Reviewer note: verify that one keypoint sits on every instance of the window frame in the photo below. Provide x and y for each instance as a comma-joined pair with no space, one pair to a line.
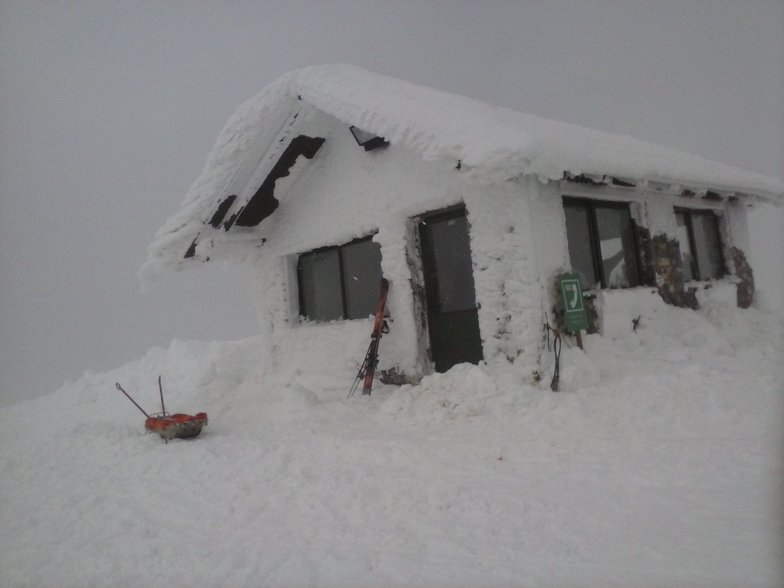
341,279
696,272
590,205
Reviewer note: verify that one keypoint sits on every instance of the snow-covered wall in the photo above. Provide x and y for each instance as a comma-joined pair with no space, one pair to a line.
502,243
347,193
518,243
548,227
653,209
736,225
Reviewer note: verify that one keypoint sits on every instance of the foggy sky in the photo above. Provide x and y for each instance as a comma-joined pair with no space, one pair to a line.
108,110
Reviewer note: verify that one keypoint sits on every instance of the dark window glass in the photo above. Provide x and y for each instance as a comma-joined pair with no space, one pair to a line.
319,283
616,242
452,259
687,257
361,277
707,246
579,237
700,245
340,282
602,244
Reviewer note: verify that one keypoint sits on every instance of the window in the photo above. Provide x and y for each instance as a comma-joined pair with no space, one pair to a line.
602,244
698,235
340,282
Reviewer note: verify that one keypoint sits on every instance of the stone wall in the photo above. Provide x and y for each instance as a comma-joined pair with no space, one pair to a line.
745,277
667,268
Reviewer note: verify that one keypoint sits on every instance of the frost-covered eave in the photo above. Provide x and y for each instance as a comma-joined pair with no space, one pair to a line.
501,143
643,168
493,143
243,140
600,183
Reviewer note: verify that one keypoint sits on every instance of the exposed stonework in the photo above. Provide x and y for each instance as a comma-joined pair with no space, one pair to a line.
395,377
745,276
668,267
593,315
647,269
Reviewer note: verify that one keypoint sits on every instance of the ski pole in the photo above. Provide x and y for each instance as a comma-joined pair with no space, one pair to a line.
556,369
163,408
120,388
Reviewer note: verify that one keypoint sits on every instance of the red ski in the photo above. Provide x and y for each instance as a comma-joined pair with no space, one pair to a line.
368,368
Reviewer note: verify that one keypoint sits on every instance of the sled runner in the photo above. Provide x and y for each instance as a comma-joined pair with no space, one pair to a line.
170,426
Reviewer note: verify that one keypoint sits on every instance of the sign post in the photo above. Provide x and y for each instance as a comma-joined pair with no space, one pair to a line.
575,317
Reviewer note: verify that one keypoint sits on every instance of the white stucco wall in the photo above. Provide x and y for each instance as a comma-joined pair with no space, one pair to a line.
736,225
347,193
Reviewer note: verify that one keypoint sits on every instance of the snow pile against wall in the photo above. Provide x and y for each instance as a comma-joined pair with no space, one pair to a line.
495,143
659,464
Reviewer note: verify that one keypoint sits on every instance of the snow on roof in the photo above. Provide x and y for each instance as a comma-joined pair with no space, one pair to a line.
495,142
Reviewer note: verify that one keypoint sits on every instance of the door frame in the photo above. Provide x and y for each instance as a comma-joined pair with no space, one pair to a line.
415,259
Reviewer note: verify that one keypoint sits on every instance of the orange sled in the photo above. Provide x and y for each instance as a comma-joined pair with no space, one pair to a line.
181,426
170,426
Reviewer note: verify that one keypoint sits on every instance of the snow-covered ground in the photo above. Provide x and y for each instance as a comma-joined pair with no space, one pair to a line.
659,464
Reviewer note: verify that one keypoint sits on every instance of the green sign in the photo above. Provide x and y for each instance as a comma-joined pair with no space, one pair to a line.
575,318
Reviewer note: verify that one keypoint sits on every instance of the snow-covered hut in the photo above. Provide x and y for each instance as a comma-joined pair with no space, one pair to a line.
334,176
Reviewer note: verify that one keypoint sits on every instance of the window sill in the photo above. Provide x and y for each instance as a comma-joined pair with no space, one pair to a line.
306,322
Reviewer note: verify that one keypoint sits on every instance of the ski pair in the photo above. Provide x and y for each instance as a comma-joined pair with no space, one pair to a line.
368,368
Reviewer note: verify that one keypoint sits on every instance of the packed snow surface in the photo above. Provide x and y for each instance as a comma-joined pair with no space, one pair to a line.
658,464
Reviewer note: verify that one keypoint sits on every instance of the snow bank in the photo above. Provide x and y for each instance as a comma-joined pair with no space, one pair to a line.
659,464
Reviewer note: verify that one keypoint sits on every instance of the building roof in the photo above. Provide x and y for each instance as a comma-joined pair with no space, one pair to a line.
493,142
